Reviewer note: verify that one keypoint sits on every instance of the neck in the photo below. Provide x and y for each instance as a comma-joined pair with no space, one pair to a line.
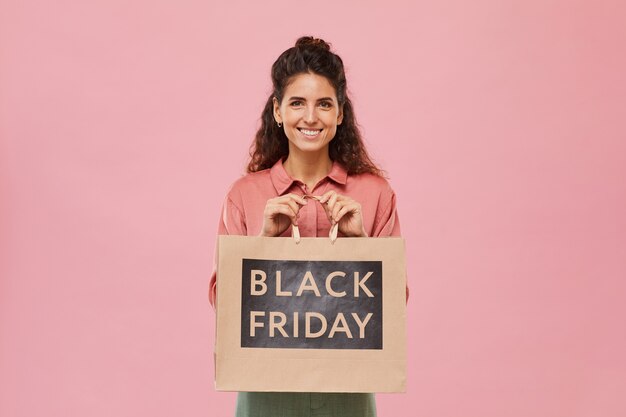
308,168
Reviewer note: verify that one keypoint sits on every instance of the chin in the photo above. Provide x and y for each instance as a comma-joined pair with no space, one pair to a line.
309,147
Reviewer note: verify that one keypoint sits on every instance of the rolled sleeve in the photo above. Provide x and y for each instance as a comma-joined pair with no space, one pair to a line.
231,223
387,221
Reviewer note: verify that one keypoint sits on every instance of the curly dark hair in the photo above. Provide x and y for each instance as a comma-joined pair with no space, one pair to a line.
310,55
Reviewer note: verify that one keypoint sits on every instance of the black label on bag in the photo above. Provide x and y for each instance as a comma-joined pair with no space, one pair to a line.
312,304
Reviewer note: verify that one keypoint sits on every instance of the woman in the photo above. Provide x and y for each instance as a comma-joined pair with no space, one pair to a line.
308,167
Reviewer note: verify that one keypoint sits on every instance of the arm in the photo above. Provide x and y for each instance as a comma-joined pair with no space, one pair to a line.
388,224
231,222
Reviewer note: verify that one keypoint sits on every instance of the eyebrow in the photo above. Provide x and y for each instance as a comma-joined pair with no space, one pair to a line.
304,99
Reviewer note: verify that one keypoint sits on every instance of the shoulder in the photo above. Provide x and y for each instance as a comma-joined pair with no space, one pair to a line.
249,185
374,184
372,191
251,180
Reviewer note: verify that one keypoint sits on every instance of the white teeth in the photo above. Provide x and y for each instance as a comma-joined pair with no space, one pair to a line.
310,132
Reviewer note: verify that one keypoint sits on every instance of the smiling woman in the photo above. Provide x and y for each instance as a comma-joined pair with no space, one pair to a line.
308,150
310,57
310,114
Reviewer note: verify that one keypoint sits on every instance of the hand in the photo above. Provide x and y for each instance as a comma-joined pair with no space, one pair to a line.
280,213
344,211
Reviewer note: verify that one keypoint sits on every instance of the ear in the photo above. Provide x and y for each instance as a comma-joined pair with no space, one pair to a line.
340,116
277,116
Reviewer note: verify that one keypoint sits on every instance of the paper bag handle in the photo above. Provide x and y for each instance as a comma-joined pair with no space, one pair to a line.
295,233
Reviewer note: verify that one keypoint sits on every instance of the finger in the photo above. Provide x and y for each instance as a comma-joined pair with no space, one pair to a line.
278,209
332,201
324,198
327,211
354,209
288,197
294,206
335,210
297,198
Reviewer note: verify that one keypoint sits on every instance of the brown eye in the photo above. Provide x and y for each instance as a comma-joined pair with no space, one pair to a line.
296,103
326,104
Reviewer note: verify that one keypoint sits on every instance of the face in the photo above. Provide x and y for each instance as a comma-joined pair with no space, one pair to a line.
309,113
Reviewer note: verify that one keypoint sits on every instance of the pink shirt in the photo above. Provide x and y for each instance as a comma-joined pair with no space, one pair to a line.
242,212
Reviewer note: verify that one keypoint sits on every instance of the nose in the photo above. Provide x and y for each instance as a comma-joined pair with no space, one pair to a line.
310,114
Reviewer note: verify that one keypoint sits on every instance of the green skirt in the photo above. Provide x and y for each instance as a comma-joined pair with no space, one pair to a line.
296,404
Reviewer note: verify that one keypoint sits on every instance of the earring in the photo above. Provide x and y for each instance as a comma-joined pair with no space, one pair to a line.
279,124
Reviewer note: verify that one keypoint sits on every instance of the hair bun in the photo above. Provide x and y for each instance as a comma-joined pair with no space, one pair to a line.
310,41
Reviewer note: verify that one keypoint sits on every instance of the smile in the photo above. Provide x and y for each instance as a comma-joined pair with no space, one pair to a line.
310,132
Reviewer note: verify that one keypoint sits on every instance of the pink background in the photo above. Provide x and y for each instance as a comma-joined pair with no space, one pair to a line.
500,123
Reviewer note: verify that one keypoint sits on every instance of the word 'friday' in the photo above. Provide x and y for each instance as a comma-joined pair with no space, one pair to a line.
277,321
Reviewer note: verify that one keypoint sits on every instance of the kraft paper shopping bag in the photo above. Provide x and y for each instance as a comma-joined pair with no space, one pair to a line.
311,314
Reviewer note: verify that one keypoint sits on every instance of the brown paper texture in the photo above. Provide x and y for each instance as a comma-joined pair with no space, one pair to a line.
310,370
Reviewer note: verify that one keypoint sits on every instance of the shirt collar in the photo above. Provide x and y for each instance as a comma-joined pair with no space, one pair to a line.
282,181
